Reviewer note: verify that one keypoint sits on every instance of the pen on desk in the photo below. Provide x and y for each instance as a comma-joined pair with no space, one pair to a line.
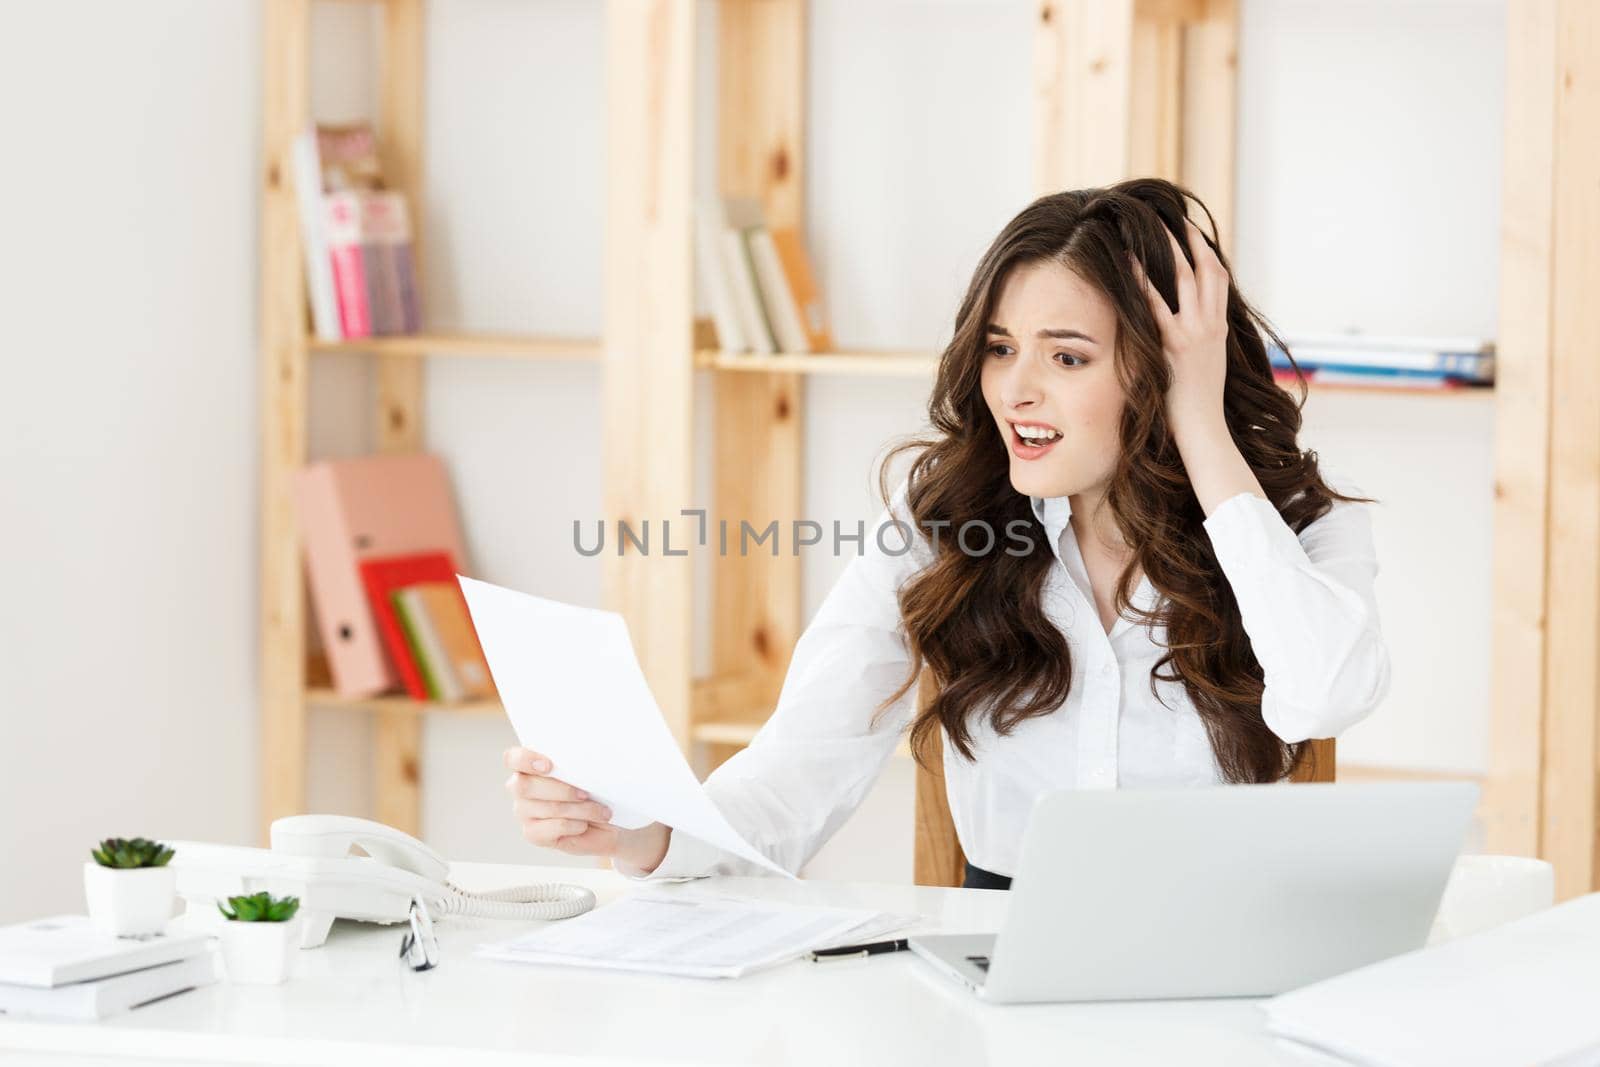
851,952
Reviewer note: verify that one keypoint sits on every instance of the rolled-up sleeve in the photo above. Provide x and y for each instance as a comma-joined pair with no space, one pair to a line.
1308,607
814,760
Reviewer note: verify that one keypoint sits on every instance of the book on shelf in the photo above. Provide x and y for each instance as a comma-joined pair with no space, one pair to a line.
440,636
716,279
360,268
357,509
351,260
783,311
1422,381
348,156
314,239
445,609
422,645
1391,361
801,288
740,214
386,231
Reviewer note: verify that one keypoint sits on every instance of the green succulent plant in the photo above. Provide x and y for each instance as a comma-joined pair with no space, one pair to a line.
122,854
260,908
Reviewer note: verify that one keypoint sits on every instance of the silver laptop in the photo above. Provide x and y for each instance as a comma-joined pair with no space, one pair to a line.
1241,890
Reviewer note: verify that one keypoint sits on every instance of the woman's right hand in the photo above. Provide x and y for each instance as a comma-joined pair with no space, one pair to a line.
554,814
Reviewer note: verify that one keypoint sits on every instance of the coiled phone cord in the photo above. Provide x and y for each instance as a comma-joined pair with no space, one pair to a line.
547,900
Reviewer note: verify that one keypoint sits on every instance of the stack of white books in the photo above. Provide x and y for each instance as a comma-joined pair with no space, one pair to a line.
64,968
758,281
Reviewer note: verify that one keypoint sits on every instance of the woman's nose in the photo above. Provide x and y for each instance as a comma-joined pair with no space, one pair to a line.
1020,387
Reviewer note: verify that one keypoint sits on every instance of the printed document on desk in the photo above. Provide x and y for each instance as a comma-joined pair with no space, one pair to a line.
699,935
575,693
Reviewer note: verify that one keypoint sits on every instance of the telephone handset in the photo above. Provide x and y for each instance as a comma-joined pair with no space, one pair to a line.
336,836
349,868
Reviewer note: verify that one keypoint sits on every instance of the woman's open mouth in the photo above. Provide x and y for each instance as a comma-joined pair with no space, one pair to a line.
1030,440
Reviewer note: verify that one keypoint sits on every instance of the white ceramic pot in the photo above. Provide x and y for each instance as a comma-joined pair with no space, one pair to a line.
259,953
129,902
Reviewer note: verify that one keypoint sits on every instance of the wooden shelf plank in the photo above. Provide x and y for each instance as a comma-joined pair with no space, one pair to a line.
322,697
502,346
879,364
725,733
1470,393
1363,772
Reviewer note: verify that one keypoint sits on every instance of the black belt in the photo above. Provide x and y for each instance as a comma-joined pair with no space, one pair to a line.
978,878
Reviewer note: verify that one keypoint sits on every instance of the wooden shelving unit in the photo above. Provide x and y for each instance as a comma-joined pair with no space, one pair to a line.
1127,65
1130,86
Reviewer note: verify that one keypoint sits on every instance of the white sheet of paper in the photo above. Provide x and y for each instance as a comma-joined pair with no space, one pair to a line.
699,936
575,692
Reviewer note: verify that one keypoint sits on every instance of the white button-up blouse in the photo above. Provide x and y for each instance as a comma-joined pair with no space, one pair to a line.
1306,603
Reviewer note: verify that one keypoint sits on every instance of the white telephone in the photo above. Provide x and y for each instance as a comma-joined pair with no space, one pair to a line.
348,868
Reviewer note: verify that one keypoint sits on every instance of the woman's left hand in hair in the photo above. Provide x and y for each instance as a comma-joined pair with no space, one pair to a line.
1195,340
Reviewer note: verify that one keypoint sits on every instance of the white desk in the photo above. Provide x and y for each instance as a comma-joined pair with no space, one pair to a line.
353,1002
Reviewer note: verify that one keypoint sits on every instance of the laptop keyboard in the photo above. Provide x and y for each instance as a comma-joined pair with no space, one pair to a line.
981,962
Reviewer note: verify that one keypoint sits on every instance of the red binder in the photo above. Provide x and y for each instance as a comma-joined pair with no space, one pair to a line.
381,577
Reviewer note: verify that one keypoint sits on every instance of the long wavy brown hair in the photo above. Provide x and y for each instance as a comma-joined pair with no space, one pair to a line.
978,621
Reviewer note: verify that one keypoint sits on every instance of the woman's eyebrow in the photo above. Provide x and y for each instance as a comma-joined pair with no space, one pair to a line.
1067,335
1059,335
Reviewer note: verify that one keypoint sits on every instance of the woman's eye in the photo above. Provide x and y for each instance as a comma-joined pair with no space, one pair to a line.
1070,360
1000,350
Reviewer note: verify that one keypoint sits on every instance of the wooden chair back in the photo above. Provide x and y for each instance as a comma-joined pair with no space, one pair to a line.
937,858
1319,764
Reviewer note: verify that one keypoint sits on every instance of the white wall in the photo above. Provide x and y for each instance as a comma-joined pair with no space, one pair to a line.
128,455
128,439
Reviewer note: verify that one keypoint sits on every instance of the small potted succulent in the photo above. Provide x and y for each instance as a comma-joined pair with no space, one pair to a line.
260,937
129,887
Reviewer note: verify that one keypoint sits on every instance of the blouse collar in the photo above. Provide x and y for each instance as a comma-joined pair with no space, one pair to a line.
1054,513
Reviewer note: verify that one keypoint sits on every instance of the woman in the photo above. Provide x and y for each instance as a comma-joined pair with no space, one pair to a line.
1125,571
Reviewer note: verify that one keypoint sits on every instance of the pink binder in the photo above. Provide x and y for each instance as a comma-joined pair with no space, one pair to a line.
371,507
